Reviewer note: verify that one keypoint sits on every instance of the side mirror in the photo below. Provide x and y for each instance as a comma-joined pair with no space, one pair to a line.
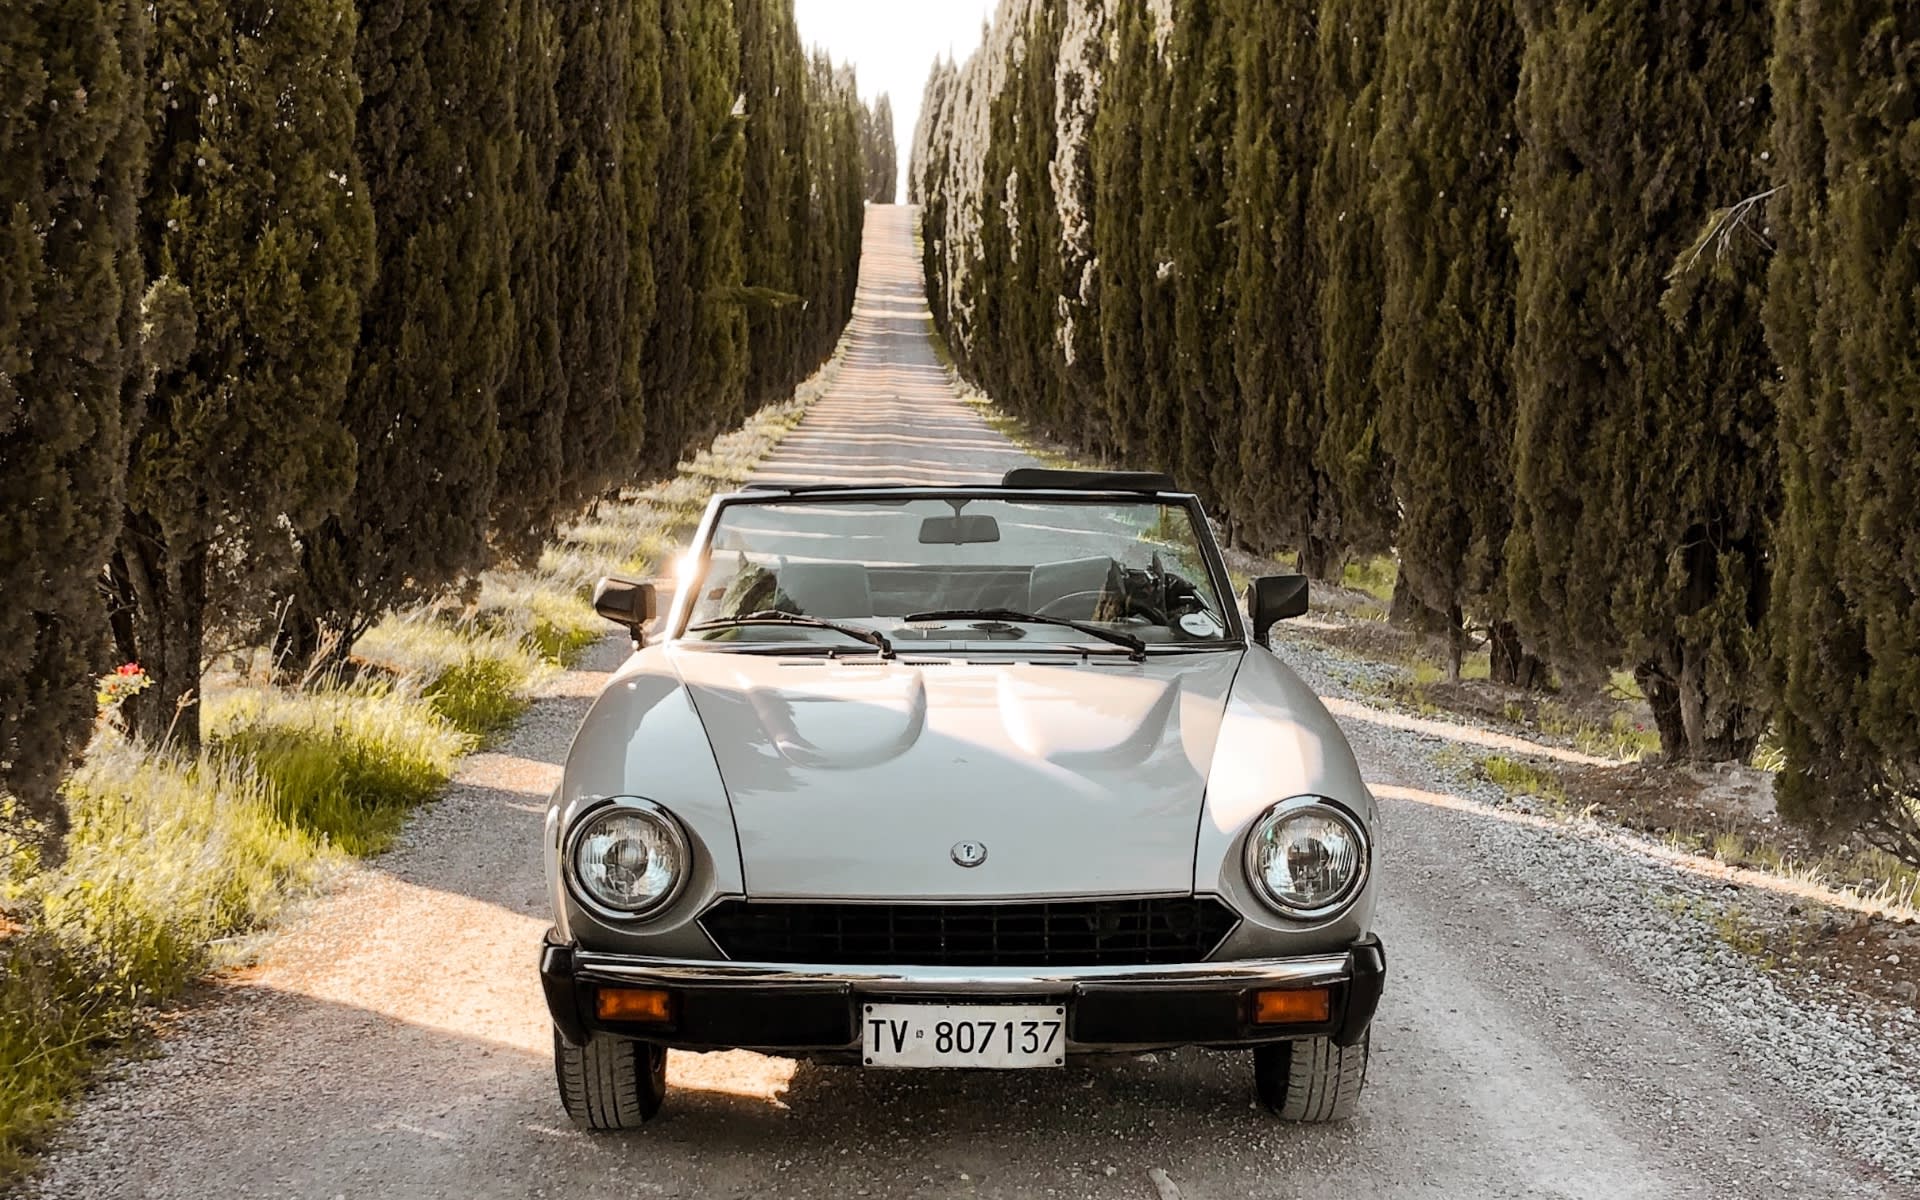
626,602
1274,598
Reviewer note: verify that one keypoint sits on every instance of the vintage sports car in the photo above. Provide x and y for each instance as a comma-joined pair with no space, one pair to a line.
990,776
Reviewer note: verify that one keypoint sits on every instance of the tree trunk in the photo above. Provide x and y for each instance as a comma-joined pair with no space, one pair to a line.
1663,696
1406,608
297,642
1320,559
162,630
1726,734
1508,661
1456,641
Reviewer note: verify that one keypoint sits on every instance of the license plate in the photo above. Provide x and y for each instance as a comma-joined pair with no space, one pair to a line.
997,1036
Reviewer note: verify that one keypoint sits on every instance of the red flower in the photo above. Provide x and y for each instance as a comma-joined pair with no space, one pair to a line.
129,669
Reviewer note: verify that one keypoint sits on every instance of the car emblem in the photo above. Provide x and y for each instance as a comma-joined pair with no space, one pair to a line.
969,854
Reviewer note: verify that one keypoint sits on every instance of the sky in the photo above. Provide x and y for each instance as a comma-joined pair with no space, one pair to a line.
891,44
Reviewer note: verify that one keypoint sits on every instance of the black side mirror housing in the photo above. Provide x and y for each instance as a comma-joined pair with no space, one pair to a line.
627,602
1272,598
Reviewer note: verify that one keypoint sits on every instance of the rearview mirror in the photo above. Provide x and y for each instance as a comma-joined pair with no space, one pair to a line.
626,602
958,531
1274,598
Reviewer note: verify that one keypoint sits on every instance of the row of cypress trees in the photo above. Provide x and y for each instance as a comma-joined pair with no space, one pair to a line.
1603,316
310,308
879,151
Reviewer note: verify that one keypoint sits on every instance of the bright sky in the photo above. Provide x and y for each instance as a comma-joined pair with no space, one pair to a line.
892,44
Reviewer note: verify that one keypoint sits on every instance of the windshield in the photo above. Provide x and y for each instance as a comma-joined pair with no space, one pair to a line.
967,571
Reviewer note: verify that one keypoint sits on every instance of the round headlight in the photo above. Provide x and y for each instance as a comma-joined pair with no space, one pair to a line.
1307,857
627,859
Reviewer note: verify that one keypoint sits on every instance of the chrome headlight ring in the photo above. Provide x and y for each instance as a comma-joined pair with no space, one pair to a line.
660,837
1307,812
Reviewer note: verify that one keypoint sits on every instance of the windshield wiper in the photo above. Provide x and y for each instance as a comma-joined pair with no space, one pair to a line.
774,616
1137,649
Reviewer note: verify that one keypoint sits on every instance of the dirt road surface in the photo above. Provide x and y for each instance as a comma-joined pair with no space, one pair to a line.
393,1041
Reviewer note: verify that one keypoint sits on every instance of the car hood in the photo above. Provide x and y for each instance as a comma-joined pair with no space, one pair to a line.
858,778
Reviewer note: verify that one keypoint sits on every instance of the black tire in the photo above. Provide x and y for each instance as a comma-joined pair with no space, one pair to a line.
610,1083
1311,1080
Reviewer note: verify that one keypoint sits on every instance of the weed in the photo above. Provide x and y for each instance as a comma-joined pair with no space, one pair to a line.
1522,779
164,859
1622,686
345,764
1620,738
1375,576
480,696
1733,926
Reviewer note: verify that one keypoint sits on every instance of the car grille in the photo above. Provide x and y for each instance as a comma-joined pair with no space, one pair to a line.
1041,934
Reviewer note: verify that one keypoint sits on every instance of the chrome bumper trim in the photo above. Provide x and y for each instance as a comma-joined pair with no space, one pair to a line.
1257,972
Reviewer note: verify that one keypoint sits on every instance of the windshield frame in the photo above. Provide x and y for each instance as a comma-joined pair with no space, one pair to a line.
694,565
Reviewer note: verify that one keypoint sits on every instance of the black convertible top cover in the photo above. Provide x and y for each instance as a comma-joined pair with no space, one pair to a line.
1045,479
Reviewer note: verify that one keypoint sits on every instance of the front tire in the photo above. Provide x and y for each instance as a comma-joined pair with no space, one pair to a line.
1311,1080
611,1082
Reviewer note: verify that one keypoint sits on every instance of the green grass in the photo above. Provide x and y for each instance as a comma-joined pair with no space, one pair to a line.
553,621
1518,778
1620,737
165,859
480,696
1375,576
345,764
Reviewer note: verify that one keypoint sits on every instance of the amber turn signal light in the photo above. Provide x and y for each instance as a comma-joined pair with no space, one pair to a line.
649,1005
1293,1006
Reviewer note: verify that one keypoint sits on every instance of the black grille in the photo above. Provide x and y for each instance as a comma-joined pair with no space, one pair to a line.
1068,933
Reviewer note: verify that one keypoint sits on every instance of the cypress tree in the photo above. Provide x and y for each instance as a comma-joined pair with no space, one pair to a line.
257,227
435,138
926,133
1157,404
70,284
774,199
1020,279
1445,146
1842,320
667,370
643,133
1644,470
694,341
717,372
532,400
1079,72
1120,252
1342,218
1199,140
836,161
608,98
880,159
1286,494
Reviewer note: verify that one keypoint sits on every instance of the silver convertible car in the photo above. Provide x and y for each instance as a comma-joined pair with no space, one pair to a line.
959,777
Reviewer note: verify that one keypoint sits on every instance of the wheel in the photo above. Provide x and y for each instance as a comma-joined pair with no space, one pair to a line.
1311,1079
610,1083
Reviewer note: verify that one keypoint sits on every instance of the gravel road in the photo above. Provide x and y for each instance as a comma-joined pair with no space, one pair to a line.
1535,1039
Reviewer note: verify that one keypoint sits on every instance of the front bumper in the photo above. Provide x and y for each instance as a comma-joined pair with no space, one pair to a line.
812,1010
